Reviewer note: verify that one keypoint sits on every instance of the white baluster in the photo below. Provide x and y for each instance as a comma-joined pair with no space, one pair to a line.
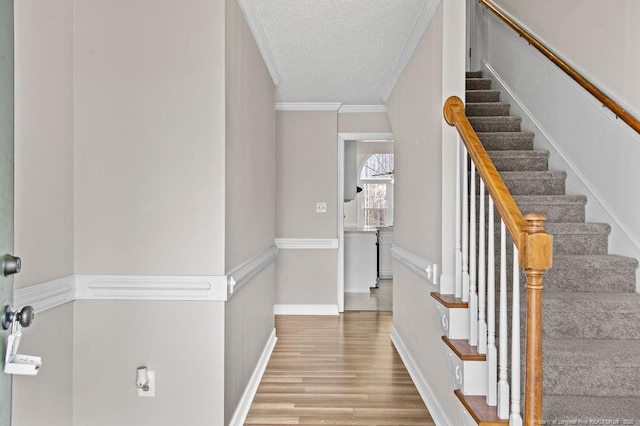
503,362
492,355
465,226
482,278
457,289
515,419
473,271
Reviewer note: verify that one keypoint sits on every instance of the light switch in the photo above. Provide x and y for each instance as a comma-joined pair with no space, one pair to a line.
321,207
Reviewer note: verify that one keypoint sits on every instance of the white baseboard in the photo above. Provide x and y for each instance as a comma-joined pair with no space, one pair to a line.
426,392
240,415
305,310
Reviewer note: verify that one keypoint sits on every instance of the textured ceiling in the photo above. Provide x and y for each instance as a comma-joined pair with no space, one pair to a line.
336,50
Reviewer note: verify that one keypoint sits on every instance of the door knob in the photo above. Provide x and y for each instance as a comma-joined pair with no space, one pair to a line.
25,316
10,264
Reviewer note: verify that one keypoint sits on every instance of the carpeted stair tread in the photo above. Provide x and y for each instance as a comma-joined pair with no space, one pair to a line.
478,83
535,182
610,262
507,123
587,410
487,109
557,208
507,141
572,315
597,367
579,238
475,96
515,160
473,74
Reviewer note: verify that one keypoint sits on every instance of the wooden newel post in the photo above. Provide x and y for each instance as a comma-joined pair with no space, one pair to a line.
536,259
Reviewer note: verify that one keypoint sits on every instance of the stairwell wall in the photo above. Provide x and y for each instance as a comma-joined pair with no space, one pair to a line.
249,204
415,112
598,151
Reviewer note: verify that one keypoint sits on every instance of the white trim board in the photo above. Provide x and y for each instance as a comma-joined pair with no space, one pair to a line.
244,273
242,409
424,389
252,17
354,109
421,25
422,267
46,295
308,106
305,310
307,243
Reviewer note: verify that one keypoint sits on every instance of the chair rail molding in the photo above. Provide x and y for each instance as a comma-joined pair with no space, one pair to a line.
244,273
424,268
46,295
307,243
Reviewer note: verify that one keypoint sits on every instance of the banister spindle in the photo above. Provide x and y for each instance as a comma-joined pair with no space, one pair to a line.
457,288
503,384
492,356
536,259
515,418
482,277
473,271
465,225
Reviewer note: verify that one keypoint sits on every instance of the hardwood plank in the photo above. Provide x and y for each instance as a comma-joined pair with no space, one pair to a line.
477,407
449,300
337,371
464,350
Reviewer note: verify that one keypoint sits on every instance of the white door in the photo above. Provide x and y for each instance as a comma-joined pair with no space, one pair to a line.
6,185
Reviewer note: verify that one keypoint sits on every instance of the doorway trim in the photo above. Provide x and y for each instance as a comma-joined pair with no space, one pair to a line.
342,137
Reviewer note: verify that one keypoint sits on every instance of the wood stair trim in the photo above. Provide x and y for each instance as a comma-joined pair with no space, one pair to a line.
478,409
449,300
464,350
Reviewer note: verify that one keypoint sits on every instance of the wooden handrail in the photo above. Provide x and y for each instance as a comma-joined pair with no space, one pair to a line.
454,114
535,248
606,101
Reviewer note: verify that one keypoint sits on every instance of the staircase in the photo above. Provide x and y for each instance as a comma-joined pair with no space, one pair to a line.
591,313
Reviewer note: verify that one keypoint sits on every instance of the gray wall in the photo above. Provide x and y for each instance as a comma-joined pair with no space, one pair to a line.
180,341
307,172
44,200
415,112
250,203
363,122
149,127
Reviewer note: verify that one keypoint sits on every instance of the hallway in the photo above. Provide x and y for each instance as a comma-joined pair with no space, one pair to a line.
337,370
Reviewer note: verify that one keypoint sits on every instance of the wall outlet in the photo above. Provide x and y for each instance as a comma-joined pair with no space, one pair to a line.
152,386
321,207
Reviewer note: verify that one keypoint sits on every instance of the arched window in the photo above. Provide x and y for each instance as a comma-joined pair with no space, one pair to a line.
376,201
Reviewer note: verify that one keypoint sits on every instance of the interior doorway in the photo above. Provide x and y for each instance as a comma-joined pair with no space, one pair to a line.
365,221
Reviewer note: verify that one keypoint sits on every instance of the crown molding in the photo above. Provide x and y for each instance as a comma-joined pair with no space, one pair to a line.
244,273
308,106
307,243
347,109
424,18
151,287
254,22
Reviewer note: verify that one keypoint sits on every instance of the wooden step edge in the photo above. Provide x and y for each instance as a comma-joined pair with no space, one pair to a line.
482,413
449,300
464,350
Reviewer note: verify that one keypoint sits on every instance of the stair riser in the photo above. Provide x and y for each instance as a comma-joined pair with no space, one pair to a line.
556,213
602,380
478,84
495,124
487,110
474,96
519,164
553,186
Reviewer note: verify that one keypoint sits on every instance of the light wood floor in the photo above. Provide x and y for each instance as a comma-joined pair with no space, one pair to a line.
336,371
